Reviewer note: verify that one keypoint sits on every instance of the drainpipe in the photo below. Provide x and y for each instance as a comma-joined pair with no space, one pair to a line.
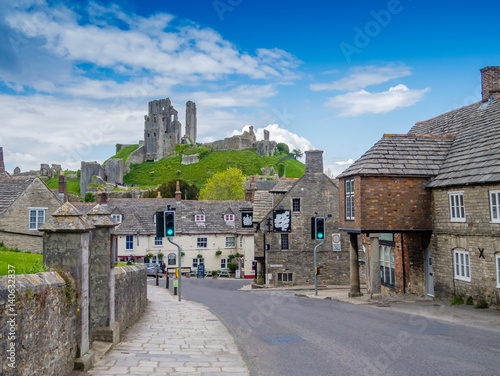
403,256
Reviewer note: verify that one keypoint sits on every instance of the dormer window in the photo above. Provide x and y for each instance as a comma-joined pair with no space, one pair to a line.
199,218
229,217
117,218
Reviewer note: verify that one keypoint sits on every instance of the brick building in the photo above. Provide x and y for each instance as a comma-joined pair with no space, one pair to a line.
425,205
283,244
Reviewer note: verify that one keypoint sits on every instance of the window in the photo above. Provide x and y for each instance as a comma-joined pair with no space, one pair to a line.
36,217
296,204
199,218
158,241
198,261
284,241
457,209
229,217
285,277
230,241
462,265
171,259
201,242
129,242
241,241
349,199
495,206
387,271
117,217
223,263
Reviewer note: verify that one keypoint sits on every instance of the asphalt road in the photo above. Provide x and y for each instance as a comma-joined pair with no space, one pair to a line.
281,334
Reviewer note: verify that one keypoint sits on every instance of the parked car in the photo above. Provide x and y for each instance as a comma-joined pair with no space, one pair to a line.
152,268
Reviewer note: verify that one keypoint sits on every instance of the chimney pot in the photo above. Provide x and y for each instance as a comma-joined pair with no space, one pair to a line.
178,193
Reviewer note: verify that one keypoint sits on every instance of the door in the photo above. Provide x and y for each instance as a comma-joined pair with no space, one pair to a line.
429,274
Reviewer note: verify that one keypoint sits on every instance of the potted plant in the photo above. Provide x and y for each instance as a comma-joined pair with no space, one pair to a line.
232,266
218,253
160,256
148,257
214,274
199,255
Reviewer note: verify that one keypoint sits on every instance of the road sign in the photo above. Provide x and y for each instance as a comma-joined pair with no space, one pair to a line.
336,243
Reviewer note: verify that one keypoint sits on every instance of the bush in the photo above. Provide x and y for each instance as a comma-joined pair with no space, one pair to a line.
283,148
481,304
470,301
457,300
89,197
232,266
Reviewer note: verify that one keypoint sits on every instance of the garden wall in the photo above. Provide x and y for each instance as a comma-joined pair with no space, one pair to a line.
131,296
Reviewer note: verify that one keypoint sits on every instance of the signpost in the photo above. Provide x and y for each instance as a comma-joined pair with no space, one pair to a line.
337,247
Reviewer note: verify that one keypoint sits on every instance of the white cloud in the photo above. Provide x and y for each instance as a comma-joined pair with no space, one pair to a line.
363,102
334,169
361,77
349,162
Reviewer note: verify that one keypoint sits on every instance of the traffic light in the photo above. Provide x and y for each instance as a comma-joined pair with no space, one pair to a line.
160,224
169,223
320,228
316,271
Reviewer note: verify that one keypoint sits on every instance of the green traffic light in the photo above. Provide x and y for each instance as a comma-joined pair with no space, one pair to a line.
320,236
170,231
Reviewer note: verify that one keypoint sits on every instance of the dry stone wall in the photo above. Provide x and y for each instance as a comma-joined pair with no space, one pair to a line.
130,294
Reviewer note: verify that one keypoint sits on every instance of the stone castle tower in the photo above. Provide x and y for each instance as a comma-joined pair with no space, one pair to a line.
162,128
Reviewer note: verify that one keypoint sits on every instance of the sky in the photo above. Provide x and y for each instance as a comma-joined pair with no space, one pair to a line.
76,77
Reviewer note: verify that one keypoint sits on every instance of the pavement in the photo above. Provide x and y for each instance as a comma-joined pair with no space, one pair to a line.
437,309
173,338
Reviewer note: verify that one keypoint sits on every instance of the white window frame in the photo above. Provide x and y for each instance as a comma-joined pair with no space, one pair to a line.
387,266
349,199
229,217
129,239
200,242
230,242
457,206
497,263
223,263
171,260
38,222
117,217
158,241
461,265
197,261
199,218
495,206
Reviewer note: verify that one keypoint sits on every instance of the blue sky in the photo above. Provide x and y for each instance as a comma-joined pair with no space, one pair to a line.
75,77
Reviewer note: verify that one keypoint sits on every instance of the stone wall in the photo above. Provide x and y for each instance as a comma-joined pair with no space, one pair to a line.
44,330
477,232
190,159
87,170
113,170
130,294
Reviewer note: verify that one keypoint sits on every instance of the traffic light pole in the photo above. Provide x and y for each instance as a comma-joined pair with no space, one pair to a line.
180,265
316,266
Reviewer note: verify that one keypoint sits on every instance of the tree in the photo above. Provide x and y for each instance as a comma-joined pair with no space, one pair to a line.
283,148
89,197
167,190
225,185
297,153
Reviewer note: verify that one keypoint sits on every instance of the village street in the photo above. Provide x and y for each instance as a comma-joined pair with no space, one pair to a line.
279,333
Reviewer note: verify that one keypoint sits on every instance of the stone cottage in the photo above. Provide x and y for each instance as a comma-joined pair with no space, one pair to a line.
284,248
25,204
427,204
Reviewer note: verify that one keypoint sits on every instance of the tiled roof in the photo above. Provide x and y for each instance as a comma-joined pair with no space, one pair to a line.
284,185
263,203
138,215
408,155
474,156
11,188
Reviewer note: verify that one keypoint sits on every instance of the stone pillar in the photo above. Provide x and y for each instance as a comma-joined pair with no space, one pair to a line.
375,286
66,246
103,326
354,266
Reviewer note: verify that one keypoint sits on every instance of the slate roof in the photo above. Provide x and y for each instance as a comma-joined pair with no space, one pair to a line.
474,156
137,215
284,185
10,190
263,203
408,155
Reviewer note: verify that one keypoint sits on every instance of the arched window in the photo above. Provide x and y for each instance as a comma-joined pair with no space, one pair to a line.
171,259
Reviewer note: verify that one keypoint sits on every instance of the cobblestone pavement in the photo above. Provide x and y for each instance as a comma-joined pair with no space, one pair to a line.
173,338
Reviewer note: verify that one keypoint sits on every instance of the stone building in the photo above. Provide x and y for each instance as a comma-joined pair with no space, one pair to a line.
25,204
283,242
212,229
429,203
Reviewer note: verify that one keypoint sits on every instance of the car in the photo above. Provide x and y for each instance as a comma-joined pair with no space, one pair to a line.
152,268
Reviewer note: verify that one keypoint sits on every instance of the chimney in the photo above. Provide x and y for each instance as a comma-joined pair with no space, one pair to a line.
102,197
63,190
250,192
178,192
314,161
159,195
490,82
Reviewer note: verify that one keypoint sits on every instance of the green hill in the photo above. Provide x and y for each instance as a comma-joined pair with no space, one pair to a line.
150,174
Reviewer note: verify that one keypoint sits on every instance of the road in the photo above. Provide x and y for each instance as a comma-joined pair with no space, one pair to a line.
281,334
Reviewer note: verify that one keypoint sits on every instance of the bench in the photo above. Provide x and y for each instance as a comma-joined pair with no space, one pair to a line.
224,273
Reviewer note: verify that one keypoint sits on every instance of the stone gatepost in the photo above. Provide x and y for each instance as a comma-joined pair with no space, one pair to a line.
354,266
66,246
375,285
103,326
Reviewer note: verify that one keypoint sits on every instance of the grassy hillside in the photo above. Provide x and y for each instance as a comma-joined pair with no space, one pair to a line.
73,185
248,161
124,153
